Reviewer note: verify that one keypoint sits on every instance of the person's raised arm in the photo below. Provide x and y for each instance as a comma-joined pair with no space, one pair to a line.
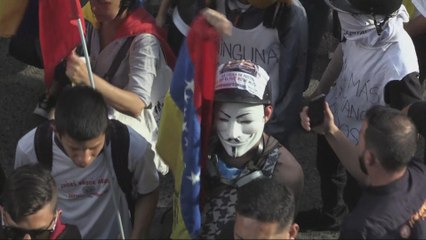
330,74
345,150
123,100
218,21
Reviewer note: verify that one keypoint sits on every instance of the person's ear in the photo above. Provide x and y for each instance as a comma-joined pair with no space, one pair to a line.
55,130
267,113
370,158
294,230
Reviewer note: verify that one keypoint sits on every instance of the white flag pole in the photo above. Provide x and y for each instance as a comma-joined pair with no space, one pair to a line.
86,53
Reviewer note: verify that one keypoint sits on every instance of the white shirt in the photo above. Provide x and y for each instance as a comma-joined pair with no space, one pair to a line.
365,72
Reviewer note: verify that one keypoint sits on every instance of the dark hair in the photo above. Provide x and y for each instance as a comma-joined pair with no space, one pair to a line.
28,189
267,201
391,135
127,5
81,112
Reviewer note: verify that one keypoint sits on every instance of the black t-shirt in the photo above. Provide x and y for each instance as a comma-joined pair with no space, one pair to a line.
384,212
401,93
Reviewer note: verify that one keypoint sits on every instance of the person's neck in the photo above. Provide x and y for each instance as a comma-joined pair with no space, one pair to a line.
114,23
108,29
239,162
384,177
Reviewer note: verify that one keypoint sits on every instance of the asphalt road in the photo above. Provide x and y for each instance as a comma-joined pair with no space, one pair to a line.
21,85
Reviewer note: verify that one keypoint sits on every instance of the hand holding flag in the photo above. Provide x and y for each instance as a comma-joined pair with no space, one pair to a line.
59,34
76,69
218,21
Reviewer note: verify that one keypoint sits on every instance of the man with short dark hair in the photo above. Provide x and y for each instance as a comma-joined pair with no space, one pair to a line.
394,197
83,165
30,208
265,210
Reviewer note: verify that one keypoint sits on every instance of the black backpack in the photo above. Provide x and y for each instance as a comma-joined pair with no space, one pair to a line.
117,133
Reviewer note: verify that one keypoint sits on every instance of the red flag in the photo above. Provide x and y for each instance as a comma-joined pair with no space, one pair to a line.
59,33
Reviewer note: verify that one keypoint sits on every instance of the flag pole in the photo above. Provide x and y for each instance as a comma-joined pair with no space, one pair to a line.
86,53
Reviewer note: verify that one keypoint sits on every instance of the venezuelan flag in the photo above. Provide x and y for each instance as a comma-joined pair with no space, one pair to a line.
186,122
11,15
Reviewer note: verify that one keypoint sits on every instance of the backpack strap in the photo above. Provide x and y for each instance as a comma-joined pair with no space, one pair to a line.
119,57
43,144
120,142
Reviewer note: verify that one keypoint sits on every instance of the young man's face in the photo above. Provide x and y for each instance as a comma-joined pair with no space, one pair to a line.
82,153
250,228
38,225
239,126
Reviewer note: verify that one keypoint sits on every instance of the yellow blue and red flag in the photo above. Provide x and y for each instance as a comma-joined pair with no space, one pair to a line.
186,122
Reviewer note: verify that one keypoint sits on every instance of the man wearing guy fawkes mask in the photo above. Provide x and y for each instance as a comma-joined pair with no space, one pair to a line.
241,151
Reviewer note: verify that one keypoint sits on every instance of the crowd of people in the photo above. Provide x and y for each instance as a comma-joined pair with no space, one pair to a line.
92,169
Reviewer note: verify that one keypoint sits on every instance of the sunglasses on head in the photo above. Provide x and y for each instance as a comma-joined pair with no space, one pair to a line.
19,233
